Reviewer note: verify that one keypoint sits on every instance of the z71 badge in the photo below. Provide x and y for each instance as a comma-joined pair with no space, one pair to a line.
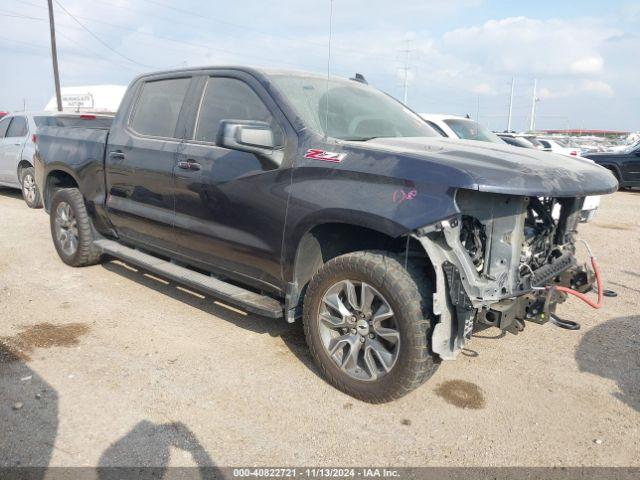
316,154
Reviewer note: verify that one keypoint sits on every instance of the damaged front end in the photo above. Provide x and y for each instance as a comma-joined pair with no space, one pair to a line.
494,260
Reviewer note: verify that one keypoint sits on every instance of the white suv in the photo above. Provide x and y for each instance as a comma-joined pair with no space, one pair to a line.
17,147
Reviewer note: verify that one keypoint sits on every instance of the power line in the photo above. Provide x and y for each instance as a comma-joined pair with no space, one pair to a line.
206,18
95,54
19,15
105,44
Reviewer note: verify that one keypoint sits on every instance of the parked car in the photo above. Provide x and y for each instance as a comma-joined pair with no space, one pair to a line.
2,114
515,140
293,196
553,146
625,164
466,129
453,126
17,147
591,203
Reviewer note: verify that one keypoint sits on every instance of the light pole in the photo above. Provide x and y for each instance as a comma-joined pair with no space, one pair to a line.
513,83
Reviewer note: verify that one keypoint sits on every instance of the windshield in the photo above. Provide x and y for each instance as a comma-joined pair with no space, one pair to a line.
349,110
470,130
632,148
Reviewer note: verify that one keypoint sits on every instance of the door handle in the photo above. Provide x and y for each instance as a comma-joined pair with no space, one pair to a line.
189,165
116,155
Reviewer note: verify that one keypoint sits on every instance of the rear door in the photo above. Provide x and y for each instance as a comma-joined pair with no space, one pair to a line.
230,208
140,156
11,148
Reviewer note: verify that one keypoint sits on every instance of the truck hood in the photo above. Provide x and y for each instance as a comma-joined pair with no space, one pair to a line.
491,167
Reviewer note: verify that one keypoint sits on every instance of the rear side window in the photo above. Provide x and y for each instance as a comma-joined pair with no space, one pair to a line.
18,127
231,99
158,107
4,124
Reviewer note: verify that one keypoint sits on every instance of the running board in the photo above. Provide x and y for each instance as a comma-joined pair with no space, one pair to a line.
236,296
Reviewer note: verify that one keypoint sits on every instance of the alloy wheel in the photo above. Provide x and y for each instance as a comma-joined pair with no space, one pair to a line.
29,188
66,228
358,330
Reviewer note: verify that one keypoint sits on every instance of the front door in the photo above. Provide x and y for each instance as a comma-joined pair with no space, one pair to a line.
140,156
631,167
230,205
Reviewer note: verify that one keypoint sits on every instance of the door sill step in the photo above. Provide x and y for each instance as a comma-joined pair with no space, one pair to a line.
232,294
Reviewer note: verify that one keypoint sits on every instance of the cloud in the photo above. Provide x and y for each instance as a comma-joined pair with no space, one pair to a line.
454,59
592,64
483,89
521,45
597,87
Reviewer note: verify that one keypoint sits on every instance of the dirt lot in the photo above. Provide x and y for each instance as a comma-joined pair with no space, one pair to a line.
108,366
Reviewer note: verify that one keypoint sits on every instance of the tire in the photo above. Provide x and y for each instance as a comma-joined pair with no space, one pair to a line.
69,218
30,192
408,293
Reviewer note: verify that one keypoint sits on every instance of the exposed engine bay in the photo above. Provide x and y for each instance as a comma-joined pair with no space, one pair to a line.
505,259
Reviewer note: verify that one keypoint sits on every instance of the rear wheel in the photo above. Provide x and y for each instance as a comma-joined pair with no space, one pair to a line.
367,324
30,192
71,229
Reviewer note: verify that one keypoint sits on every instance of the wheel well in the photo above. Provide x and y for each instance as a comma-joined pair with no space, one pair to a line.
21,166
613,169
327,241
56,180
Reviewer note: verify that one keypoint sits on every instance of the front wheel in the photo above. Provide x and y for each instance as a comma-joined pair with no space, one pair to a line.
71,229
367,322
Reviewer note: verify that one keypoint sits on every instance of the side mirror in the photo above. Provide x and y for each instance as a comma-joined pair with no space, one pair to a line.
247,136
251,136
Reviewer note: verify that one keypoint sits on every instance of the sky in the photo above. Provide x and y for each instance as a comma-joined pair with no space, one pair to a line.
459,55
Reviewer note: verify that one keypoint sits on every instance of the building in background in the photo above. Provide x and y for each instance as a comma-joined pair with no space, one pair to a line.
92,98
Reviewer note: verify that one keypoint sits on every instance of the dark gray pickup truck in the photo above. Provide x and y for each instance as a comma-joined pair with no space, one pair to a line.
292,196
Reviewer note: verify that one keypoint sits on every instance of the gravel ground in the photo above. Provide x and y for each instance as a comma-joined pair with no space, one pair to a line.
108,366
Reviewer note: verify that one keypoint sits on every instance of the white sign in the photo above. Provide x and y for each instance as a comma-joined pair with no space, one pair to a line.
77,100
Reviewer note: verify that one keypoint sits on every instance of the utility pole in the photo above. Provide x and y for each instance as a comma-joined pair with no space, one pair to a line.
54,56
532,125
513,84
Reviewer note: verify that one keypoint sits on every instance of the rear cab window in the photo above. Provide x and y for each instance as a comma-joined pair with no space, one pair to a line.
158,107
18,128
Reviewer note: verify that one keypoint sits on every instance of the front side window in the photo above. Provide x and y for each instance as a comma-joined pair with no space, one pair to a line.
470,130
4,124
349,110
158,107
231,99
18,127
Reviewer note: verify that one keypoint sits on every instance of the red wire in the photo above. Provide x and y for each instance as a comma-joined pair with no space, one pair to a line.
582,296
